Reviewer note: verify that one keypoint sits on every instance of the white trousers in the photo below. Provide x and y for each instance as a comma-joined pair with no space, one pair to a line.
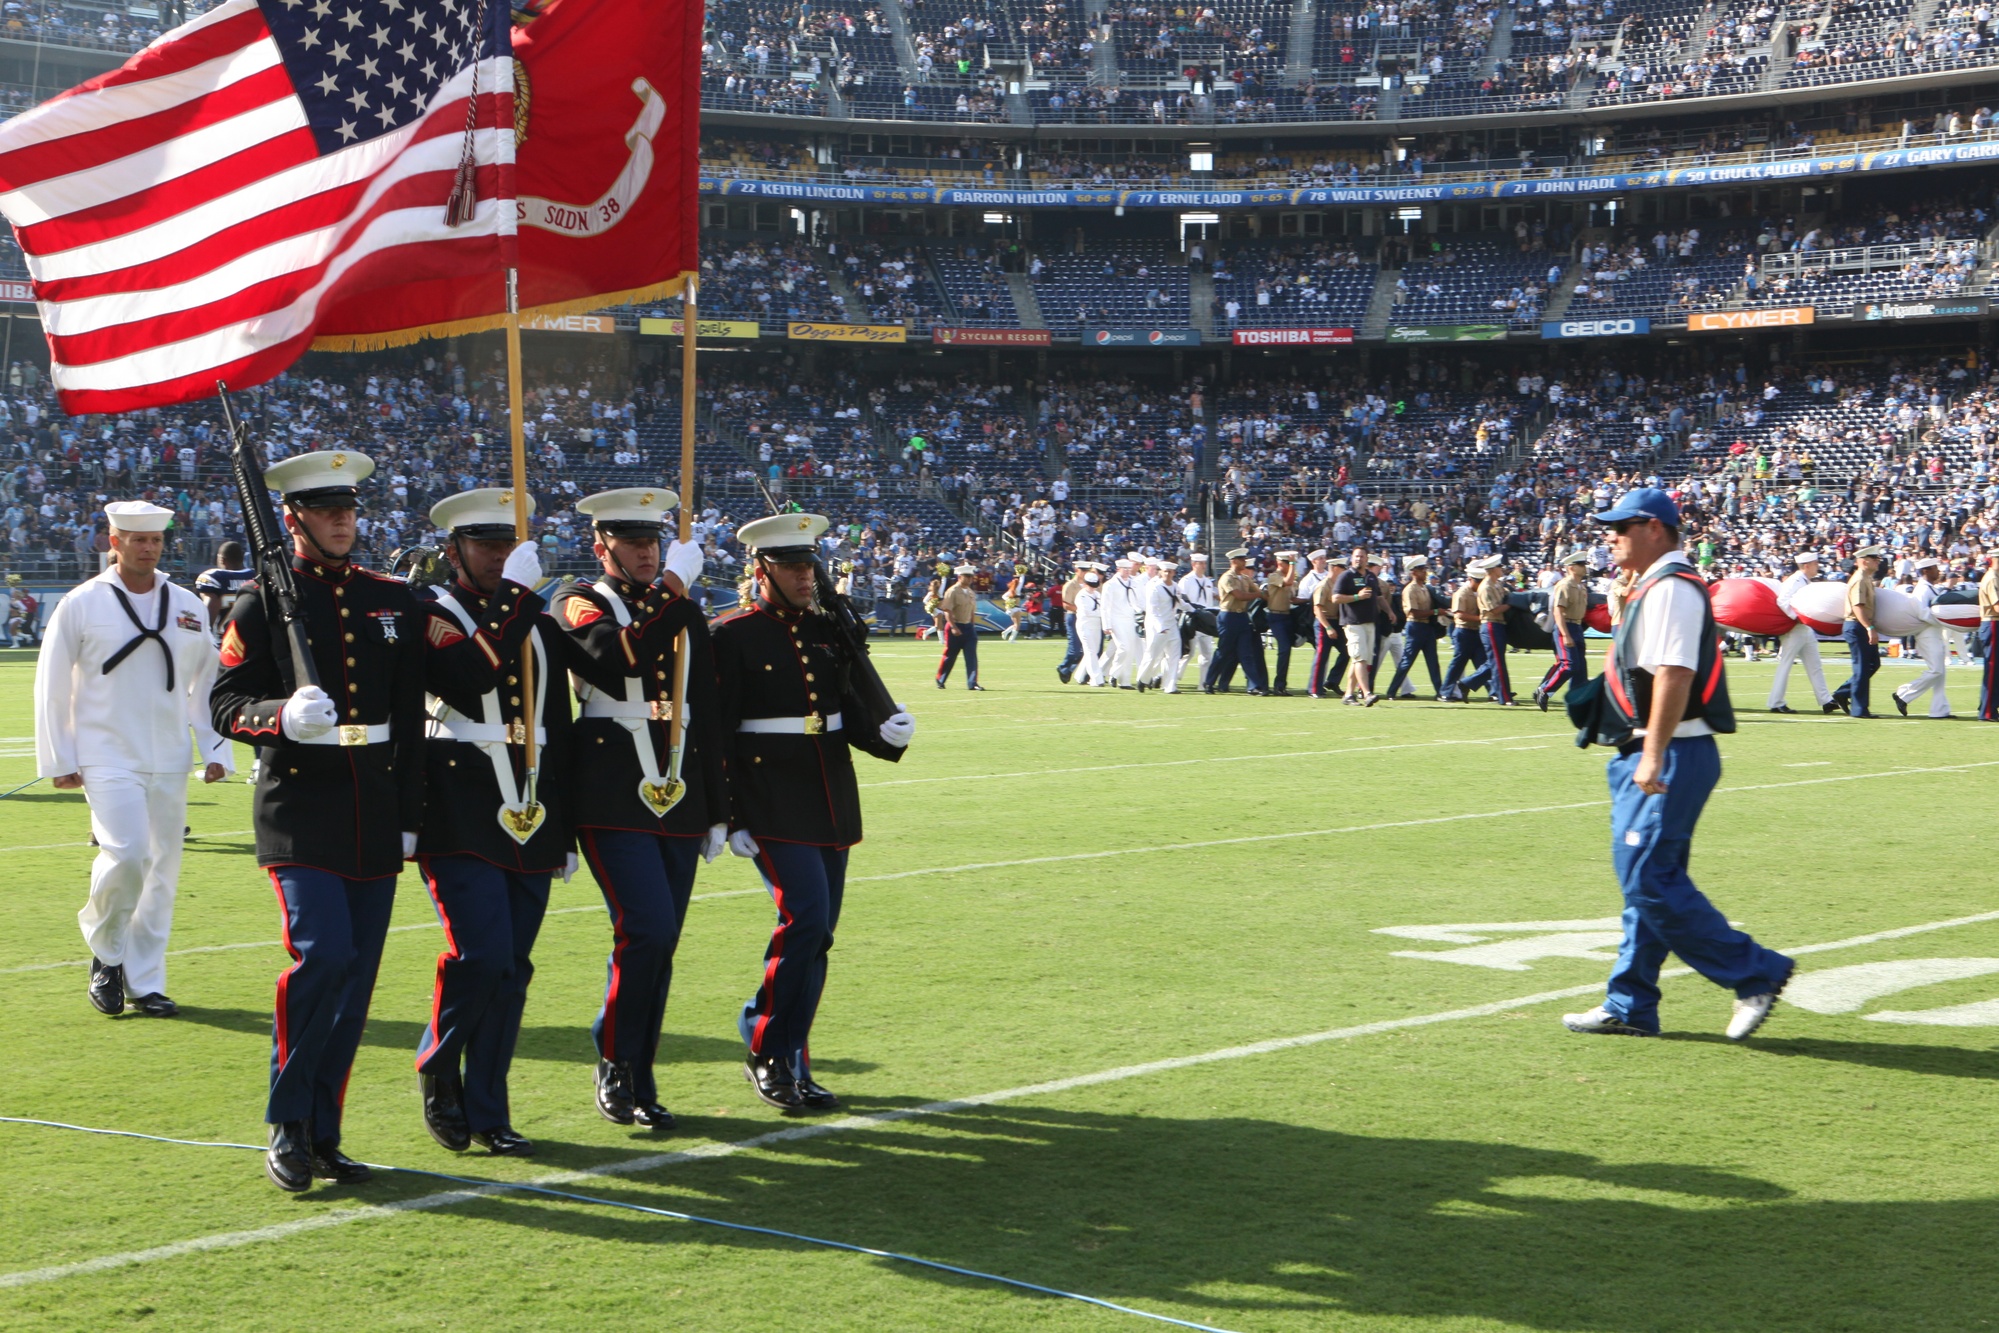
138,818
1799,643
1931,648
1162,658
1126,651
1091,634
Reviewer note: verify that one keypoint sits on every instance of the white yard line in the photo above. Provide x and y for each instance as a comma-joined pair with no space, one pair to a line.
192,837
821,1128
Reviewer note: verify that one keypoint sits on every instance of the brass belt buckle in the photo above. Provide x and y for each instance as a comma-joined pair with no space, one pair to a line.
662,710
353,733
517,732
814,725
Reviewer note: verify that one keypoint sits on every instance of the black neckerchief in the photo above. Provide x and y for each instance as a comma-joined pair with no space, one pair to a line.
156,634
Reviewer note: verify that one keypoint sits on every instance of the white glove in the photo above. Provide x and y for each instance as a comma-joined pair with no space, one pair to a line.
685,561
742,844
569,864
717,839
523,566
308,714
409,846
898,728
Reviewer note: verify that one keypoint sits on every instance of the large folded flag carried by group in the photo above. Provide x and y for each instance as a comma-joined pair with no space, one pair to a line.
347,174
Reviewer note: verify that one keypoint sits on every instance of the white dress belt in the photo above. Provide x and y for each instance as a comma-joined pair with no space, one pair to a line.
481,733
655,710
790,726
350,733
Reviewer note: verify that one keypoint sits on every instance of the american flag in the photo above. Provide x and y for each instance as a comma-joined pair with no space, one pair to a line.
199,214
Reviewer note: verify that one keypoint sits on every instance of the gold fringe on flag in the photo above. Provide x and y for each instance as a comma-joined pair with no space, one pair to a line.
372,342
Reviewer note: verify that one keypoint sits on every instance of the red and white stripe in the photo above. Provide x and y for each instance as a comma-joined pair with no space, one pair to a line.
180,227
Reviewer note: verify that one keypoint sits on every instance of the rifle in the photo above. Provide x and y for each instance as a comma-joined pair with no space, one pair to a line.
852,631
270,551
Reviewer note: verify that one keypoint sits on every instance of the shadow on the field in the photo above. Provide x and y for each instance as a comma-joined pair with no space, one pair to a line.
47,797
1954,1061
1219,1218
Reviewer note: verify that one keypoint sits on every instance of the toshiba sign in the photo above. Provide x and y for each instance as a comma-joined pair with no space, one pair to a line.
1780,317
1289,337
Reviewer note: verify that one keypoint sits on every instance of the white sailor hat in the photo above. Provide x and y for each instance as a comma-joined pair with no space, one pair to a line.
1927,562
1579,556
1093,577
630,511
323,479
138,516
1319,554
1125,562
1167,565
1488,562
484,514
965,569
785,538
1240,553
1201,556
1879,552
1374,559
1417,562
1805,558
1287,555
1134,557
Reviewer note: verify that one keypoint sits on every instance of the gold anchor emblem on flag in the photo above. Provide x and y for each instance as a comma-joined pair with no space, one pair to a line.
520,820
661,796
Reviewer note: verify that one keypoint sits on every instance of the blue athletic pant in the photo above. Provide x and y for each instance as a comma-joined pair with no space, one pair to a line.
1466,650
490,917
960,639
333,929
1419,639
1571,660
1074,656
1988,679
647,881
1650,838
1866,661
1240,646
807,883
1492,635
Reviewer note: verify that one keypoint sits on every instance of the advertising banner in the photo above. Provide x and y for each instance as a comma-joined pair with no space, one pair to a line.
1596,328
847,333
570,323
1446,333
1966,307
1289,337
14,290
990,337
1776,317
655,327
1141,337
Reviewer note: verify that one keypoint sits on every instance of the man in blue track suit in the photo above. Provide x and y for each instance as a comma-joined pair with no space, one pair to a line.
793,719
339,795
1665,698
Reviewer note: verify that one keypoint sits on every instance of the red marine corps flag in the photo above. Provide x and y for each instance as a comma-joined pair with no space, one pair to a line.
347,174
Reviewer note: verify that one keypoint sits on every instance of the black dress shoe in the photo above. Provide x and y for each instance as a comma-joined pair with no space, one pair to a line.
503,1142
975,687
107,987
1900,706
329,1163
1832,706
773,1082
288,1161
653,1116
155,1005
813,1097
1541,698
614,1092
444,1110
1783,708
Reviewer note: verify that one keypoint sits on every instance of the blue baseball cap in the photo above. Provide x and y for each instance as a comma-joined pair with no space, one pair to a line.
1644,502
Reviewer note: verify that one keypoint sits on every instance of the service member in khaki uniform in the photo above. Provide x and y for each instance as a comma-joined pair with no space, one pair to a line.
1070,592
1863,644
1238,645
957,609
1492,629
1419,627
1568,603
1278,591
1988,637
1467,649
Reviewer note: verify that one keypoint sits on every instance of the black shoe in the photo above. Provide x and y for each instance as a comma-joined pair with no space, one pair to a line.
1061,675
1541,698
1140,687
107,987
975,687
503,1142
773,1082
1783,708
444,1110
1282,693
1255,693
1900,706
940,684
813,1097
329,1163
288,1161
653,1116
1832,706
1207,689
155,1005
614,1092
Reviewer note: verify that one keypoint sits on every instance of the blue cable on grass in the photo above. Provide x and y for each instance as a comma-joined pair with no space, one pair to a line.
524,1188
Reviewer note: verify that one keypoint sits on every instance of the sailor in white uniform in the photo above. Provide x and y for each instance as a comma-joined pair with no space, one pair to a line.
1121,609
1090,625
123,677
1930,645
1800,642
1161,666
1197,590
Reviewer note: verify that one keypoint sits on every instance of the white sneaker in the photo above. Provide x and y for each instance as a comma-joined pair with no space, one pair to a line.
1749,1015
1603,1023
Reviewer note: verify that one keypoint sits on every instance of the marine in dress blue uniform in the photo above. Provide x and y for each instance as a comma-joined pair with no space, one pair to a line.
793,719
641,835
491,837
1467,650
1419,627
1237,644
1568,603
339,797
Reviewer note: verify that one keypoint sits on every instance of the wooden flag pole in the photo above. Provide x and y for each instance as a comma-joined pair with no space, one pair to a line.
523,822
690,298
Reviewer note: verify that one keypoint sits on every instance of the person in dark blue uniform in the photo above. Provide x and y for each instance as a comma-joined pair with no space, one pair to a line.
1237,644
491,837
1419,627
793,718
339,796
1863,641
642,817
1568,603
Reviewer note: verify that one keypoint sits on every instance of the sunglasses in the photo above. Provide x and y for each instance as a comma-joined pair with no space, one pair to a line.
1624,525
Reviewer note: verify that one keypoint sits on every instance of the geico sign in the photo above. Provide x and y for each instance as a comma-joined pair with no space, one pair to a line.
1596,328
1779,317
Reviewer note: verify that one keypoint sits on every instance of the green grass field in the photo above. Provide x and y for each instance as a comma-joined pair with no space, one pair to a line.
1077,939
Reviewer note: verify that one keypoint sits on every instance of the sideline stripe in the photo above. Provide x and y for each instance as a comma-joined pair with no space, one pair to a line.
821,1128
1390,824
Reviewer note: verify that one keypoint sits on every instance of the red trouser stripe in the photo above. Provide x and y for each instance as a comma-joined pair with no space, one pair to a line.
284,978
617,945
767,996
1497,657
450,953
